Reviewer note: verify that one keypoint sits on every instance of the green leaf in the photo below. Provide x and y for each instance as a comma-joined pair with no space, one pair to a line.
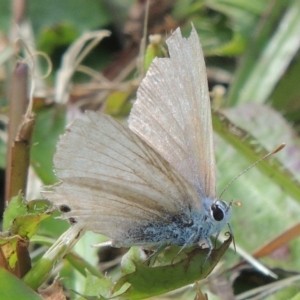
96,286
296,297
115,102
268,58
2,154
5,16
154,49
285,96
50,123
27,225
83,15
61,35
269,194
82,266
16,207
17,219
13,288
39,206
246,144
146,281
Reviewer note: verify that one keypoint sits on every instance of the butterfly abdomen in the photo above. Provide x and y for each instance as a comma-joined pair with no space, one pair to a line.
179,232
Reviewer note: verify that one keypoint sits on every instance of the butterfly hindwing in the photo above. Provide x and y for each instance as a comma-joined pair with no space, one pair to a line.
113,181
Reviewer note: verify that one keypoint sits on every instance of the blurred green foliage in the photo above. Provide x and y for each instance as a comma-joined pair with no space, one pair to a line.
252,49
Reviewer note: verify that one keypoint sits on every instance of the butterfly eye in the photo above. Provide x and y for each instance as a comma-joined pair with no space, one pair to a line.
217,212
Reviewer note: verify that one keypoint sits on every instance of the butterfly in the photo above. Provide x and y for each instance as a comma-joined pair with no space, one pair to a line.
152,184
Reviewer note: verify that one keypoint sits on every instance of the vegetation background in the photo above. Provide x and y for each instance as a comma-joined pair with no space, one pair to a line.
253,66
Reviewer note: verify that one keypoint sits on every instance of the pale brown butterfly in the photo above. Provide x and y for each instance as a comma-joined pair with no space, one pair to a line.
155,183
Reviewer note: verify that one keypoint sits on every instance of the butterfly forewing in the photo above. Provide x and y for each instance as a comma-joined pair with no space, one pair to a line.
172,112
113,181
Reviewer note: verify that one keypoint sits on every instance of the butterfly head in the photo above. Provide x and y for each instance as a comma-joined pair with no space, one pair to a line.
218,214
220,211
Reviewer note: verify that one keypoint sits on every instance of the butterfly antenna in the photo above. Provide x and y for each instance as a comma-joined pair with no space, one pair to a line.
280,147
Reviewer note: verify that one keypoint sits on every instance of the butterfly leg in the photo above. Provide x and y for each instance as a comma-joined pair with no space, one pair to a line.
216,238
231,233
189,242
210,248
156,252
